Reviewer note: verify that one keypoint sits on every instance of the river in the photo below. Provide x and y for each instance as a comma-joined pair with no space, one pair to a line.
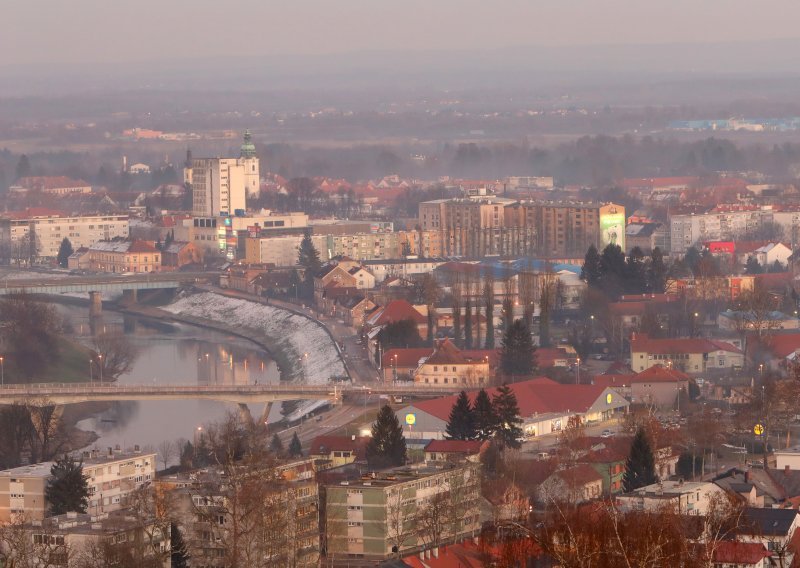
169,353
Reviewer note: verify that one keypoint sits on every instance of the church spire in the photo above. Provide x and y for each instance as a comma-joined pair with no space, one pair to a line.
248,149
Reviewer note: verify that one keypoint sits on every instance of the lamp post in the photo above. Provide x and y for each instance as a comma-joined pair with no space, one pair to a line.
100,357
578,372
2,371
91,372
394,363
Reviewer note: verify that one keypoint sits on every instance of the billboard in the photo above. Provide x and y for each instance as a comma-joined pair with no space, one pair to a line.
612,226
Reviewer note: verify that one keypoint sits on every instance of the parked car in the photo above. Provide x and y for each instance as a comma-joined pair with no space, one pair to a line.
607,433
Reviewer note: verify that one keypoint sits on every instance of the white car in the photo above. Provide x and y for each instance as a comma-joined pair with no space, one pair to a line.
606,433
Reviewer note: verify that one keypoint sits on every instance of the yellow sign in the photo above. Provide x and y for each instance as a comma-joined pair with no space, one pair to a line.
758,429
609,398
411,419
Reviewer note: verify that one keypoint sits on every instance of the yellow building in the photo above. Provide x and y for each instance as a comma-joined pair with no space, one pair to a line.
450,366
124,256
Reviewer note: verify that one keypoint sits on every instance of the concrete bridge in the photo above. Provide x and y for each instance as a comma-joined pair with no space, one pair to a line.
96,284
41,394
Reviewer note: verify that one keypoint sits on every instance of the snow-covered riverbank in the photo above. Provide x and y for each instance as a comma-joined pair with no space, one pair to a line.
302,341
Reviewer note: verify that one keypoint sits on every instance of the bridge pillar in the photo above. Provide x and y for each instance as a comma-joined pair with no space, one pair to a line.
129,296
95,304
244,414
265,414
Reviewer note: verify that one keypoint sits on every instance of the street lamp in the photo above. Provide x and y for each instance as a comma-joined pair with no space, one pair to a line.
91,371
394,362
2,372
100,357
578,372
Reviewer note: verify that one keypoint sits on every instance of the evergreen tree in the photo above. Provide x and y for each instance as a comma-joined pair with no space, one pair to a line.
468,324
517,351
276,446
23,167
590,272
294,283
506,412
636,272
308,259
657,272
460,425
752,266
484,419
64,252
507,313
179,557
387,448
295,448
613,271
640,468
68,488
488,305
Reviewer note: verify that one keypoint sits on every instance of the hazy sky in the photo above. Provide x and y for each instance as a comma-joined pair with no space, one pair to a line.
77,31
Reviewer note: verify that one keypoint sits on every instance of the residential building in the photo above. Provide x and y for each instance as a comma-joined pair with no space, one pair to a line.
178,254
787,458
454,450
574,485
49,227
334,451
686,497
402,268
282,249
646,236
773,528
123,256
71,539
658,386
449,365
220,186
374,517
690,355
735,554
112,477
759,322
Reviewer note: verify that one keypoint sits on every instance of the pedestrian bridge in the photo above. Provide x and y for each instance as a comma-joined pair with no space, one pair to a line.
102,282
41,394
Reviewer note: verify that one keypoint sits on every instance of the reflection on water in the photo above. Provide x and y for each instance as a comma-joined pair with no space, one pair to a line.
170,354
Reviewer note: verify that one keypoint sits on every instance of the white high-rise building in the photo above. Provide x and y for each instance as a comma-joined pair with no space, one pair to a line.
220,186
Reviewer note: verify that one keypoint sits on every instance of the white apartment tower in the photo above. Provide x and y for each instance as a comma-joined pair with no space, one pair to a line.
220,186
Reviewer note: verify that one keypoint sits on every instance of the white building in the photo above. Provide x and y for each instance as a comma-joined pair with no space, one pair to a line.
220,186
687,497
50,227
112,476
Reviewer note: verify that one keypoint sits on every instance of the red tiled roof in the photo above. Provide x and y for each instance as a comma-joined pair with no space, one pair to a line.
323,445
733,552
579,475
405,357
627,308
547,356
33,212
612,381
446,354
648,298
454,446
535,396
142,246
781,345
397,310
641,343
659,374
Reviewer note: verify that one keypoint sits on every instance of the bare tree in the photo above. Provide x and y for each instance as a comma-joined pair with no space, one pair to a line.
167,450
114,356
30,329
432,519
23,547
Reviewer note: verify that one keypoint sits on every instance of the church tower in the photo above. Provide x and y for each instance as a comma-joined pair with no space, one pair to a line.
248,158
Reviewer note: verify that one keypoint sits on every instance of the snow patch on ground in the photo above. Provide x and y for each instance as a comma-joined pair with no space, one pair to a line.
302,340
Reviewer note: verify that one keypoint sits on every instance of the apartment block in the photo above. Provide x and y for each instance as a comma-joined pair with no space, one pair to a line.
47,228
374,516
112,476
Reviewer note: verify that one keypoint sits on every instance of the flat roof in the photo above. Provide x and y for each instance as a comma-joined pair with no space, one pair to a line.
32,470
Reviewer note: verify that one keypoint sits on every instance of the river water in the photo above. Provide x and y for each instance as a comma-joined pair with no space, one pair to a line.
169,353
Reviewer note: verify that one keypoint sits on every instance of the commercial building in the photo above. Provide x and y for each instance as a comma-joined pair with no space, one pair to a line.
53,185
374,517
220,186
111,476
545,407
48,227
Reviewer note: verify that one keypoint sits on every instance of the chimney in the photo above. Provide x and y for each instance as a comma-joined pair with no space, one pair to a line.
747,477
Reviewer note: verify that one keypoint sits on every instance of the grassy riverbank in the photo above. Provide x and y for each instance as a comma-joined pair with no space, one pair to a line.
72,366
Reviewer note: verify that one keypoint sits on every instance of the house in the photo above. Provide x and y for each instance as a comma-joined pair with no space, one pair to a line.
574,485
548,357
400,364
609,455
773,528
178,254
686,497
659,386
365,280
449,365
334,451
454,450
393,312
772,350
756,487
735,554
354,309
545,407
646,236
690,355
331,275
